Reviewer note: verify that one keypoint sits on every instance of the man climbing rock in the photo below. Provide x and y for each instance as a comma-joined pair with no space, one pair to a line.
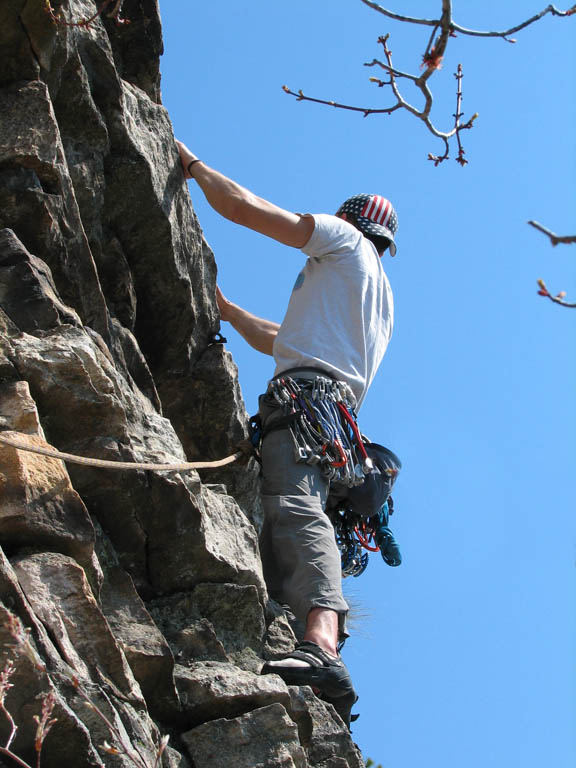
327,350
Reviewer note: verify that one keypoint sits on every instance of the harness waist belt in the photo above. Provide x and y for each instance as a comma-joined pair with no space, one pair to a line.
307,372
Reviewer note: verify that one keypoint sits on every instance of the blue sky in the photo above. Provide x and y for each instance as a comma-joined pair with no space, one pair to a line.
465,654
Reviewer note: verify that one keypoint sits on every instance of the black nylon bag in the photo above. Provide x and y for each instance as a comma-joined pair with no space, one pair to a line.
368,498
366,501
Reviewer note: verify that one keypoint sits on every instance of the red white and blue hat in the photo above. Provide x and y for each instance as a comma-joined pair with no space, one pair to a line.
375,216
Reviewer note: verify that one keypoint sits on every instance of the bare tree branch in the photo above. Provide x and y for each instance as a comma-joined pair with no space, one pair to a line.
399,17
431,62
366,111
463,30
558,299
550,9
460,159
554,239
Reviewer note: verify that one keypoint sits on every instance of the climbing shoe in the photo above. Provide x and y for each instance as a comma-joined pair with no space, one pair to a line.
309,665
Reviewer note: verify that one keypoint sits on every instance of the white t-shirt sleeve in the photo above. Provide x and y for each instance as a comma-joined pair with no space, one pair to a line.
331,237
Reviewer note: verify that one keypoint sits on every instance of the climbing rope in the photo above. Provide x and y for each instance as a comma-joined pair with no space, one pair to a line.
104,464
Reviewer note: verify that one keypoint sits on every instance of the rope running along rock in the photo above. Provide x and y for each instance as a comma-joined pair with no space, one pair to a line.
104,464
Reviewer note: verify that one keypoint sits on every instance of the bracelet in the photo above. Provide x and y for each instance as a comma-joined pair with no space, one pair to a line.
191,163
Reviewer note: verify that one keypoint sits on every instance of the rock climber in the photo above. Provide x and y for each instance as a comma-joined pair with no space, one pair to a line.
338,324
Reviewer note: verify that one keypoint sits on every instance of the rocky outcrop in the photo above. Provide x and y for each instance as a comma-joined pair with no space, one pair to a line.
132,603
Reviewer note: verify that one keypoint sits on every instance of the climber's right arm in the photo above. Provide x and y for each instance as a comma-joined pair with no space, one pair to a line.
243,207
259,333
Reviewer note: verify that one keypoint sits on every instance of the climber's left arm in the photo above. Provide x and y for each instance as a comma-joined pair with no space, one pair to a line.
257,331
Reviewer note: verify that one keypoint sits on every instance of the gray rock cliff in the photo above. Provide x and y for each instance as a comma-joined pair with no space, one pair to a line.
132,601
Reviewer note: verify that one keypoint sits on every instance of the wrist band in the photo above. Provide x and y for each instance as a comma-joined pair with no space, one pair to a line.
191,163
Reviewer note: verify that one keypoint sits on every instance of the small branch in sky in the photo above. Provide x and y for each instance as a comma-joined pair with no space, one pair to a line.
460,159
399,17
554,239
505,35
458,127
443,29
473,32
365,110
431,61
558,299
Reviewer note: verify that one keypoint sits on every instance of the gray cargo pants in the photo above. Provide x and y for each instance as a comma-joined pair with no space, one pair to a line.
301,561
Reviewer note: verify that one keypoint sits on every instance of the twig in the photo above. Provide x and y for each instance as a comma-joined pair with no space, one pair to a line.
399,17
558,299
458,115
554,239
5,686
463,30
13,756
44,723
367,111
123,749
431,62
457,127
549,9
161,747
59,20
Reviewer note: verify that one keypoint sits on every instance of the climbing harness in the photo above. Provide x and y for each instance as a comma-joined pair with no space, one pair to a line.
104,464
320,416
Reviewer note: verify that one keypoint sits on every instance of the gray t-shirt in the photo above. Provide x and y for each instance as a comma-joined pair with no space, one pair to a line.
341,313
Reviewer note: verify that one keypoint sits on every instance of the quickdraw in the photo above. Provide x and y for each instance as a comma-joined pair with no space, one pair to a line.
354,560
357,537
322,422
365,536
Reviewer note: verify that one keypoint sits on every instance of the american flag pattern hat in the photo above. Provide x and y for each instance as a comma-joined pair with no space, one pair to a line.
375,216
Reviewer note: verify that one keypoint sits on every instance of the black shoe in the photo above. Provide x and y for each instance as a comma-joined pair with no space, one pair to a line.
326,674
343,706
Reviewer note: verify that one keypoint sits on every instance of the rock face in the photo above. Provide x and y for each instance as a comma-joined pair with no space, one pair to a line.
140,593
